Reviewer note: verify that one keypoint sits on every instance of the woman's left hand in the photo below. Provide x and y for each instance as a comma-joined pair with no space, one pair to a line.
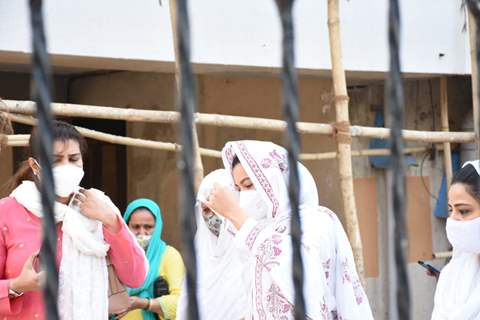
95,208
223,201
134,303
138,303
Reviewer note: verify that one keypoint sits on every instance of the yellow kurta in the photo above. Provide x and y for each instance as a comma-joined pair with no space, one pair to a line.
171,269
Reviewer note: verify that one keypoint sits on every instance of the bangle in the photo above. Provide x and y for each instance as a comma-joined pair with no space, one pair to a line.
148,305
14,294
151,304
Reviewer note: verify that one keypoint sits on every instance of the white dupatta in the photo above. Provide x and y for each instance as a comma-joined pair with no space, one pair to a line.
332,289
457,296
220,288
83,278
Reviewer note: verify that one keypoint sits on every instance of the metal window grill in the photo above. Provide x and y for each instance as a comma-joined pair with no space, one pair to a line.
400,305
42,85
41,94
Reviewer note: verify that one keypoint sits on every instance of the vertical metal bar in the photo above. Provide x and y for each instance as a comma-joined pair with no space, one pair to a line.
290,111
396,108
41,93
198,158
185,163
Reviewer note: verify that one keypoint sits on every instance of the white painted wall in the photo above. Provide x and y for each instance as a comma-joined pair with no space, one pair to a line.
244,34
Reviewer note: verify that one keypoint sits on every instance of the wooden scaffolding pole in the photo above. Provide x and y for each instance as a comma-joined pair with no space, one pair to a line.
472,29
447,154
198,159
21,140
5,128
343,137
228,121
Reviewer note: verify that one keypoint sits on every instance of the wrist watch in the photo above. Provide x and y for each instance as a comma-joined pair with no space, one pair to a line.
14,294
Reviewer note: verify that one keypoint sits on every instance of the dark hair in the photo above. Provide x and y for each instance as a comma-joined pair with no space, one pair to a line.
62,131
235,161
469,177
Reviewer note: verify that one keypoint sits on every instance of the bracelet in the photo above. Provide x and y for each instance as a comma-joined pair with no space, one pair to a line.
148,304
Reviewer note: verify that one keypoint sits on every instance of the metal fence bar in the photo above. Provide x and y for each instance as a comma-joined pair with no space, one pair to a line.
400,307
185,163
41,93
292,138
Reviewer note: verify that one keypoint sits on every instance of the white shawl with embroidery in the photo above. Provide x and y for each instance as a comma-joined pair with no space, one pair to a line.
83,278
332,289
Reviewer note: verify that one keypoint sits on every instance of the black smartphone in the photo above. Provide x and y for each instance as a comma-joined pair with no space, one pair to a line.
429,267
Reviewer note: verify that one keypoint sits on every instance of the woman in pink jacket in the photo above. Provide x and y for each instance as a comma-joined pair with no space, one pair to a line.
89,230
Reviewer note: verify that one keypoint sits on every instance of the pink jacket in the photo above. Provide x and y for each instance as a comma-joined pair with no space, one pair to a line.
20,237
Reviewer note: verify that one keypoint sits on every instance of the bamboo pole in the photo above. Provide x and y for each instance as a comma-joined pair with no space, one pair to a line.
217,120
447,154
22,140
344,155
359,153
17,137
198,159
110,138
474,72
5,125
443,255
414,135
5,128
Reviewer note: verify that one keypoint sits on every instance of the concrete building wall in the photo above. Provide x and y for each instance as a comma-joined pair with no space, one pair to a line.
241,36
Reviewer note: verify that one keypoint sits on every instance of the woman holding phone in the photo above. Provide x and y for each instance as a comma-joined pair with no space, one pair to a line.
457,296
89,229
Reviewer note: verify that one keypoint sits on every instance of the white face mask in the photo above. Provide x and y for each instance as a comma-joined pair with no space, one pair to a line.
464,235
143,240
67,179
252,202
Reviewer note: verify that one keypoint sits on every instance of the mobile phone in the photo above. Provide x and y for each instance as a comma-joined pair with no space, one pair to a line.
429,267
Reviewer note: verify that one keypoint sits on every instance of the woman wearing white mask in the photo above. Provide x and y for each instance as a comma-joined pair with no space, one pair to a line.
457,296
332,289
89,228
